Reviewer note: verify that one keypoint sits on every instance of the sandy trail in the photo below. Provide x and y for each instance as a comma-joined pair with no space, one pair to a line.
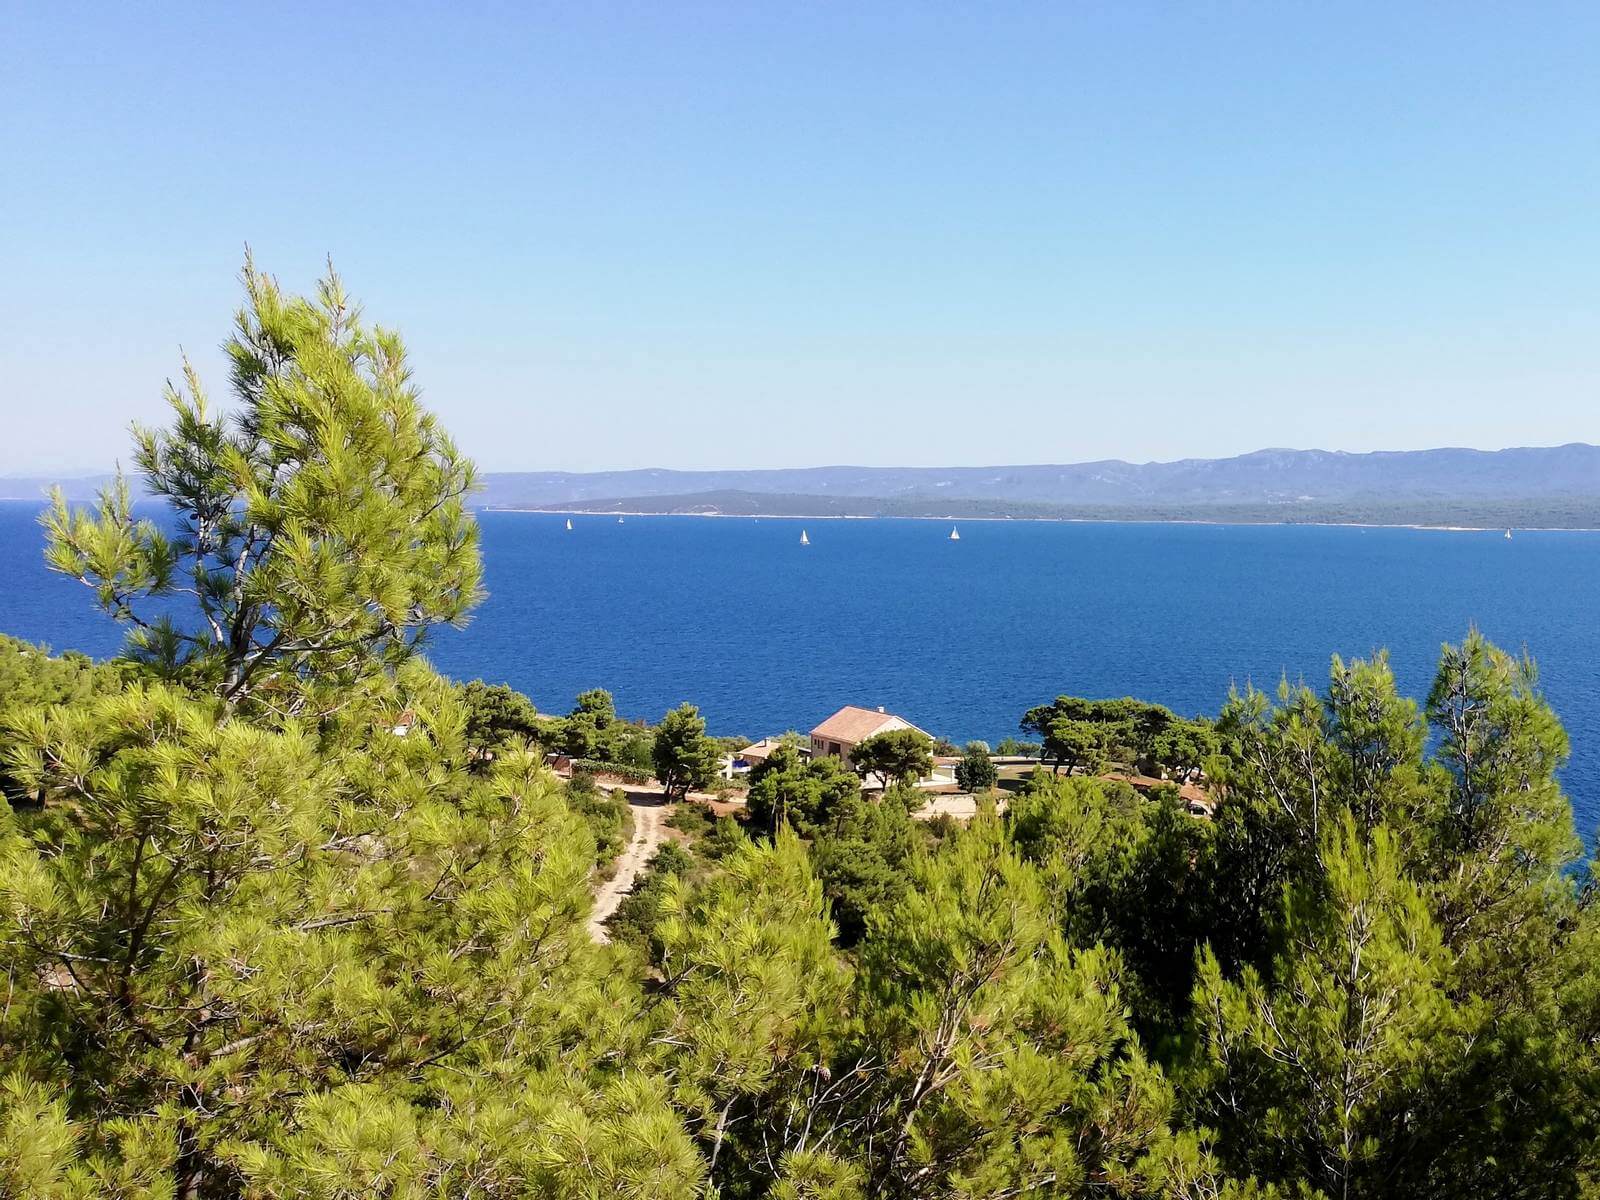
649,810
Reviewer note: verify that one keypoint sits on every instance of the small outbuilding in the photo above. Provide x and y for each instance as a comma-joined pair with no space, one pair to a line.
755,753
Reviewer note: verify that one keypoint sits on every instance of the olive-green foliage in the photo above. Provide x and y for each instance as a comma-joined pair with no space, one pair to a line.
1353,1002
684,757
692,819
1120,871
895,756
242,956
975,772
724,839
792,788
30,676
1401,998
859,848
631,745
318,529
634,922
861,855
594,733
266,957
1004,1063
1089,735
1373,974
755,990
606,813
711,837
583,734
499,719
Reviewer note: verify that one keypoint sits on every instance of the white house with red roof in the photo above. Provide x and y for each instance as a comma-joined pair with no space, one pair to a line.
850,726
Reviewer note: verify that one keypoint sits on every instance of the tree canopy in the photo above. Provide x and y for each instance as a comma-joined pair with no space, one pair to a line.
976,771
498,719
894,756
685,758
314,533
1089,735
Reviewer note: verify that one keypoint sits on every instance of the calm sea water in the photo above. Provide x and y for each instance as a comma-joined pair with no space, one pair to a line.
960,637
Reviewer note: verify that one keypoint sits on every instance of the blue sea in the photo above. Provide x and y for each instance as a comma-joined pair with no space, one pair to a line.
960,637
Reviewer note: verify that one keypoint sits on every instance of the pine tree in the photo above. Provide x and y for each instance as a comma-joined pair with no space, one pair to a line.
250,956
1306,1061
757,997
684,757
315,534
895,756
1002,1060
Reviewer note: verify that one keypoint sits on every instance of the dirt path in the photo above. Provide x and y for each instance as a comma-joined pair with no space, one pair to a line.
649,827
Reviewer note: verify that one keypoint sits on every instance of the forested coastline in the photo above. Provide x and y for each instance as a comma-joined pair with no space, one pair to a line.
284,912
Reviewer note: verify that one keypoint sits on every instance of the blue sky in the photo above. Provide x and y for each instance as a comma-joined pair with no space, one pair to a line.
774,235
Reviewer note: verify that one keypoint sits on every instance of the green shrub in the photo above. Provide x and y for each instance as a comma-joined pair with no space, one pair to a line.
606,814
619,770
634,922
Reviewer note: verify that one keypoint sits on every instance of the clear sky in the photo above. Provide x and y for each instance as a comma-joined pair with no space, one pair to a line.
788,234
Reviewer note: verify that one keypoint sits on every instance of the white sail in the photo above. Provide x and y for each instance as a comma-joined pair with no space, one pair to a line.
1508,533
955,534
569,524
804,540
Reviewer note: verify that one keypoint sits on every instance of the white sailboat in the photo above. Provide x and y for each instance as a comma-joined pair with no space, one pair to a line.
1508,535
955,534
569,524
619,520
804,540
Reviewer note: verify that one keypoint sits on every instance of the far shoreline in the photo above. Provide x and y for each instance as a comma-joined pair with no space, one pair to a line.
42,502
589,512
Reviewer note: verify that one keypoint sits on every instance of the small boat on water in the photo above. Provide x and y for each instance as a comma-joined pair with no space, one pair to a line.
1508,535
619,520
569,524
804,540
955,534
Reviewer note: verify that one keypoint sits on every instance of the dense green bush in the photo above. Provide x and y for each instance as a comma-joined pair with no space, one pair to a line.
606,813
634,922
616,770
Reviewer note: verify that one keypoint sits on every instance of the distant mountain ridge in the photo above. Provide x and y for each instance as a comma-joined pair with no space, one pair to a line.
1264,477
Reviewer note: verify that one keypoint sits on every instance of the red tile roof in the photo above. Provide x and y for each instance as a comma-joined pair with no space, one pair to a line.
853,725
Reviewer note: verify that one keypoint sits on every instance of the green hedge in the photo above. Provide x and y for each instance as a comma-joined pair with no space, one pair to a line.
630,774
